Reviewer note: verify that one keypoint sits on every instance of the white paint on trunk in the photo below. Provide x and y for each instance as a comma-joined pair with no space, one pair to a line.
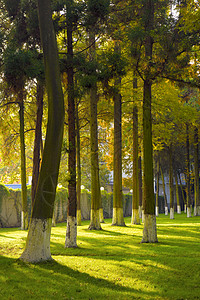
135,217
143,216
24,220
189,212
198,210
166,211
149,231
178,209
71,234
94,220
118,217
101,215
78,216
140,212
185,208
157,211
37,247
171,213
54,219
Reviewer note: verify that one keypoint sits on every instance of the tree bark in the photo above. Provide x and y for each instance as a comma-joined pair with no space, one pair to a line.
196,174
157,190
70,240
188,199
135,197
78,156
24,212
149,232
37,141
171,186
37,247
95,182
140,185
177,195
164,192
118,218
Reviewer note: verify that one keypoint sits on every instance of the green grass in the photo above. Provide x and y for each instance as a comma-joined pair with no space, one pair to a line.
108,264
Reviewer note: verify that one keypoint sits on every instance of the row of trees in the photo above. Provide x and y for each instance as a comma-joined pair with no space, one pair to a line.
124,66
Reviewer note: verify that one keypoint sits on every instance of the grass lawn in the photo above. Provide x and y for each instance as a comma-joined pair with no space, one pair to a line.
108,264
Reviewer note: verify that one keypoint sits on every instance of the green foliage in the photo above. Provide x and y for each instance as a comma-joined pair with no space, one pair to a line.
20,65
97,11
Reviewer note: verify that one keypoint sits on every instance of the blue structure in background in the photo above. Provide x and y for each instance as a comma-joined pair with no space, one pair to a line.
13,186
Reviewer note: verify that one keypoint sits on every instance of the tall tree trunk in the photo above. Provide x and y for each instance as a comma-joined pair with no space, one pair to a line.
71,234
188,172
37,247
164,192
37,141
171,185
24,213
118,217
149,232
196,174
177,194
78,156
157,183
140,185
135,196
95,182
181,186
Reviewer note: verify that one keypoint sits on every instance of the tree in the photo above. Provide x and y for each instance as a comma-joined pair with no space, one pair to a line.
37,247
71,234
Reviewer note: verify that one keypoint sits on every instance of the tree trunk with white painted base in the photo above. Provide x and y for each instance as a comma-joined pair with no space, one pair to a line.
149,232
187,171
196,173
118,219
171,186
177,195
37,247
157,186
24,213
171,212
135,195
94,156
71,232
101,217
164,192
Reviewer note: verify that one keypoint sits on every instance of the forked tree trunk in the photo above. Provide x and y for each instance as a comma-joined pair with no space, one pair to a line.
171,186
37,141
71,234
95,183
118,217
157,190
164,192
24,212
135,197
37,247
196,174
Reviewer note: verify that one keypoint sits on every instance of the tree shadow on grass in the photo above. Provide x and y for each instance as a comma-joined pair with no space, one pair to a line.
52,280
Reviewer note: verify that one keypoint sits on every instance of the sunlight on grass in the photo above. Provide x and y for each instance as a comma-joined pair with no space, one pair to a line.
107,264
